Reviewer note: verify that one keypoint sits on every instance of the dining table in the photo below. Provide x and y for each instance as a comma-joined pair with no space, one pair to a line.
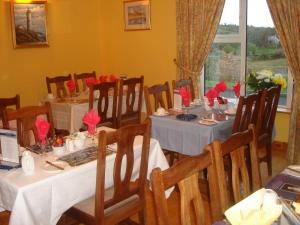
190,137
68,112
41,198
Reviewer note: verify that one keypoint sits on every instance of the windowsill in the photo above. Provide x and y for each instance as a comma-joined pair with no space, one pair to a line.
283,110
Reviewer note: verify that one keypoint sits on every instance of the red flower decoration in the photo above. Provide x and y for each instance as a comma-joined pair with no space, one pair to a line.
42,127
91,81
236,89
186,96
221,86
112,78
211,95
102,78
71,86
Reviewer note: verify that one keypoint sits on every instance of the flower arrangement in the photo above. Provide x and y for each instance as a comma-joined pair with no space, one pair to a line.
265,79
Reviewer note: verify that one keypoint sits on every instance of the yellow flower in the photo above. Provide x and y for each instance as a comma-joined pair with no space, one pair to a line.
279,79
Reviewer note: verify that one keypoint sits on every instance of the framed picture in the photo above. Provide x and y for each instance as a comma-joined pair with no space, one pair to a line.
29,24
137,15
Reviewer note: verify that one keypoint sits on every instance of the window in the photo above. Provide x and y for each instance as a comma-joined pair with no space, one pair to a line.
246,41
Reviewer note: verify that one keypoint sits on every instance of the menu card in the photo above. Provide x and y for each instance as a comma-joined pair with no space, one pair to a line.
9,145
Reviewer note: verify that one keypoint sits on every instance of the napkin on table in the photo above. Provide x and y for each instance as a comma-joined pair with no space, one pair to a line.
112,78
91,81
42,127
236,89
91,119
186,96
211,95
71,86
102,78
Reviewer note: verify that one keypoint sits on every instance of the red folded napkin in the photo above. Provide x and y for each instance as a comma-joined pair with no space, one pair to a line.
185,95
221,86
91,119
236,89
112,78
71,86
102,78
42,127
91,81
211,95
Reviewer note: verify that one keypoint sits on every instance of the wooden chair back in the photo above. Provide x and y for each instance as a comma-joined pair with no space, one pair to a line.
185,173
234,148
132,113
82,77
26,117
247,112
6,102
158,91
267,110
177,84
265,124
106,91
124,187
59,82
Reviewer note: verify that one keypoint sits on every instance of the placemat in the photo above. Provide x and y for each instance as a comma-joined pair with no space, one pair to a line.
82,156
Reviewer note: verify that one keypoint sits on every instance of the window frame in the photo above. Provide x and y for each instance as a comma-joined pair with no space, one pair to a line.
241,38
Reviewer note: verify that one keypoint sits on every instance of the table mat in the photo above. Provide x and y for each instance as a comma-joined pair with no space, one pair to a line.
82,156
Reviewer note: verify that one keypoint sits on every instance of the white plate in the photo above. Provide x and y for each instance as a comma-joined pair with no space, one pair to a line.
156,114
52,169
207,122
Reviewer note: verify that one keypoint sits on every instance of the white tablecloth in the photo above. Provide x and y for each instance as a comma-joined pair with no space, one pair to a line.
42,197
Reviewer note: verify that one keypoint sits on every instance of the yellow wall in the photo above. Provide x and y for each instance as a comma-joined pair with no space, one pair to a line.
282,127
73,34
149,53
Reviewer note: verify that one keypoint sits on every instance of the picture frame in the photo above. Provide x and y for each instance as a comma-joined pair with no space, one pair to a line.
29,26
137,15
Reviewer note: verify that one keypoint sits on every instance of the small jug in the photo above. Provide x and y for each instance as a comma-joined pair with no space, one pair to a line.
27,163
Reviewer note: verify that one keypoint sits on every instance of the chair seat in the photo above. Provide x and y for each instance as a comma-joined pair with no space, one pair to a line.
87,207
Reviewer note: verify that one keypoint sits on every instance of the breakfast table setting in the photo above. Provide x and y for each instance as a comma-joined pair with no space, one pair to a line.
48,177
189,129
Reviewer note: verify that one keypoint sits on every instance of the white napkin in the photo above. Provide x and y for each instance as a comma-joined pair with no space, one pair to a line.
260,208
293,170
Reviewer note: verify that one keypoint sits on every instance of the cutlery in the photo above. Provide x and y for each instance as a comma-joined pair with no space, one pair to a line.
53,164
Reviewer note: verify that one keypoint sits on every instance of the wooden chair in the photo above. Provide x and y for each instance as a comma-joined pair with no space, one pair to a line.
131,115
157,91
247,112
5,102
126,197
105,89
265,124
83,77
26,117
185,173
177,84
59,82
238,181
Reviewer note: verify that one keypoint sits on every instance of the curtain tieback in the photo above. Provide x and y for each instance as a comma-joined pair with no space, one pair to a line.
185,69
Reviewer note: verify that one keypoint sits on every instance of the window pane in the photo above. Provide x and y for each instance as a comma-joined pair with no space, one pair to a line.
229,23
264,51
223,63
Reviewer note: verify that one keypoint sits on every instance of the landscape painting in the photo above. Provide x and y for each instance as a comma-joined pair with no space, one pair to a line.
137,15
29,24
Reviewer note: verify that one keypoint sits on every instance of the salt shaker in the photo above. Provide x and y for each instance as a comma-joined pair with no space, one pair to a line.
27,163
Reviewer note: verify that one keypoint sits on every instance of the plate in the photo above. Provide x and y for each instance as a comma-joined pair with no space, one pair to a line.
156,114
52,169
208,122
186,117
